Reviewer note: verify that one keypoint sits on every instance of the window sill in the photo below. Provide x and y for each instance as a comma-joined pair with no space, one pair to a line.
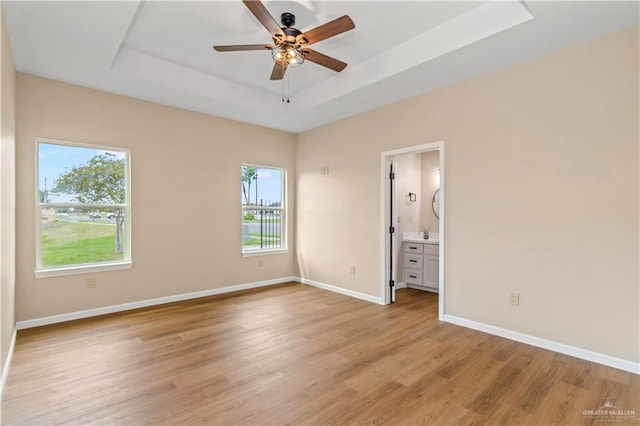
264,252
84,269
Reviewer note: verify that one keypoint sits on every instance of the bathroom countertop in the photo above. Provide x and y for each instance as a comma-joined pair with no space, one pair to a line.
416,237
421,240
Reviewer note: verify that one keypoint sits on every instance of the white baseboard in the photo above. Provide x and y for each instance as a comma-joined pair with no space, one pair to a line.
622,364
401,285
7,363
37,322
340,290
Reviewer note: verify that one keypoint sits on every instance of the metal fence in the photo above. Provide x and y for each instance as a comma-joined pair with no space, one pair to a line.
269,224
270,236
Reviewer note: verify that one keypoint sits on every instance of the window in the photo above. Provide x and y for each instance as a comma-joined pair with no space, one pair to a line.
263,209
83,209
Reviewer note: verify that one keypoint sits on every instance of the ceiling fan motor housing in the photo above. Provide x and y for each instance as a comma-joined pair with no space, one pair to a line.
290,33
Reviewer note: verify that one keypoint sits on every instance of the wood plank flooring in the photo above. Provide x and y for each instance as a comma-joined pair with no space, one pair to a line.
293,354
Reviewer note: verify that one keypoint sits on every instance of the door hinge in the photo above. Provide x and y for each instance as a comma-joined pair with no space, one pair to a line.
392,283
392,176
392,230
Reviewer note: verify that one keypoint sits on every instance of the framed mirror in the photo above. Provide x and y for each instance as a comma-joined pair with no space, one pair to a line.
435,203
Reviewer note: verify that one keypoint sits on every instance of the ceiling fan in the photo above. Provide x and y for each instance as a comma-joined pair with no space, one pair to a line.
289,46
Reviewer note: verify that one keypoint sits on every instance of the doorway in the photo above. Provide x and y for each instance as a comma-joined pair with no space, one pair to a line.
391,199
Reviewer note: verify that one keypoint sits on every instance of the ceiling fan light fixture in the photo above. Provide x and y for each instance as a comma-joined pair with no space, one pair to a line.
289,55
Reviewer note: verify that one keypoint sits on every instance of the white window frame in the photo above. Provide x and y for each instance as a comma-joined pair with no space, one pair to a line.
126,263
283,215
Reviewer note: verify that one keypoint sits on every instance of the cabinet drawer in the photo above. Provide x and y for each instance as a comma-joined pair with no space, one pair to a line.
413,261
413,276
413,248
432,249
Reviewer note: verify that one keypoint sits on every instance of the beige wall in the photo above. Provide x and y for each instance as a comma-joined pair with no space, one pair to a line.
186,191
540,156
429,183
7,193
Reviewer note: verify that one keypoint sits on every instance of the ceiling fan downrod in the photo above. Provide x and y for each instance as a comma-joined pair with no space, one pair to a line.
288,19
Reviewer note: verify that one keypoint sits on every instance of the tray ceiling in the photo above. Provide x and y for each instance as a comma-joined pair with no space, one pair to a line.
161,51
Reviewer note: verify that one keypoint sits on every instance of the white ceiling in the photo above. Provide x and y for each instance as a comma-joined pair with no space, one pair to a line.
162,51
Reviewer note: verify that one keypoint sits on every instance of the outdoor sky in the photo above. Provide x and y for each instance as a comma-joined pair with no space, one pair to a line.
268,186
54,160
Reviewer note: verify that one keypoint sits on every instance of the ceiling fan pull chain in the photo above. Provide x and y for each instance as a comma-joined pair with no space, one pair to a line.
288,86
286,89
283,89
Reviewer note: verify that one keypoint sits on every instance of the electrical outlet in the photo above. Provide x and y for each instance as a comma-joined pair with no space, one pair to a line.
514,299
353,269
91,282
261,262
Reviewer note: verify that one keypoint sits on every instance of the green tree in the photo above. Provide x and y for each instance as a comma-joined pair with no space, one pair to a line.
99,181
248,174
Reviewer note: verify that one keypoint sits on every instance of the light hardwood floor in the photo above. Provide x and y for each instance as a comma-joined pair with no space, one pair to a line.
293,354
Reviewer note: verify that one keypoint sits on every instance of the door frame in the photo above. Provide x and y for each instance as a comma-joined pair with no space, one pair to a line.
385,160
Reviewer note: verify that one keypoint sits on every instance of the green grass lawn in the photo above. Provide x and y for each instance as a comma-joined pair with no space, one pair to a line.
75,243
254,241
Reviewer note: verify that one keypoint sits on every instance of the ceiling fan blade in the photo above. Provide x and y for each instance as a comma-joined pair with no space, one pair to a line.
262,14
330,29
324,60
242,47
278,71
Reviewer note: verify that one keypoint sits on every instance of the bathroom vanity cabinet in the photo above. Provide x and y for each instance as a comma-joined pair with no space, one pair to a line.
421,265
